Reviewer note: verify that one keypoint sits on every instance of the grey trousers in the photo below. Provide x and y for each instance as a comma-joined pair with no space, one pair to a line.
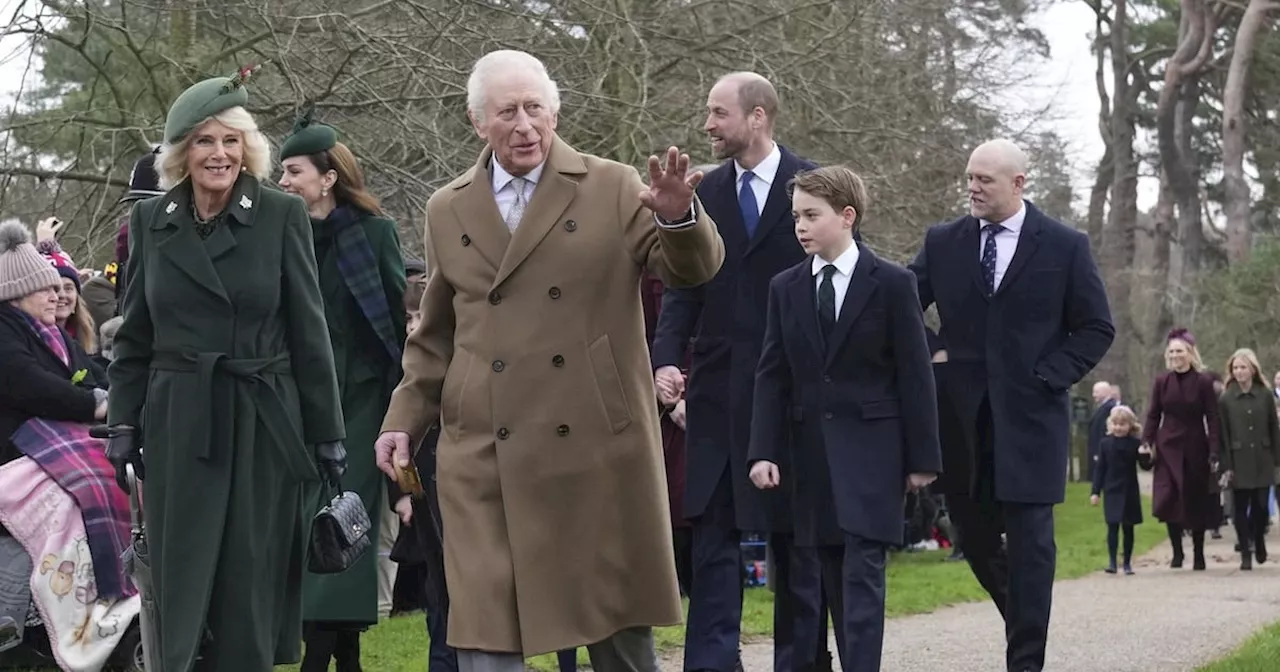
629,650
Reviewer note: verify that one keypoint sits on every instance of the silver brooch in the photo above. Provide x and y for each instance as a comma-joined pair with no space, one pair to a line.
245,202
168,209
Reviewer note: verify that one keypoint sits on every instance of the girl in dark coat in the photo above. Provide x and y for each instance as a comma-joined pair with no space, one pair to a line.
1250,452
1115,476
1182,434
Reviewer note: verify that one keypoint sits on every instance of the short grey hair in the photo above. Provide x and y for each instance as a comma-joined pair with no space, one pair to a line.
171,163
504,61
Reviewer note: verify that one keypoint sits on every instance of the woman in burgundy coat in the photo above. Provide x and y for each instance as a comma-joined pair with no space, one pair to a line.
1182,426
672,443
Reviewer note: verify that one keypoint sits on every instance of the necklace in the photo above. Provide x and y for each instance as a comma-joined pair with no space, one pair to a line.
205,227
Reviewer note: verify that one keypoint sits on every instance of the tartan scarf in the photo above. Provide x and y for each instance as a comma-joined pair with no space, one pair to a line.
78,463
360,272
51,335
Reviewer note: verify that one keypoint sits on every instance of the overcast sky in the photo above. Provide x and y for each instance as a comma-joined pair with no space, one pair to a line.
1066,84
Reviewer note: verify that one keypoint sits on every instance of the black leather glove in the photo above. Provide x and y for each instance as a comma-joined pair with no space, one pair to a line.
331,457
124,447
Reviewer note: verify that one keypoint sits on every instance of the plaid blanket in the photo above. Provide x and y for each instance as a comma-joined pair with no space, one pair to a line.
78,463
360,272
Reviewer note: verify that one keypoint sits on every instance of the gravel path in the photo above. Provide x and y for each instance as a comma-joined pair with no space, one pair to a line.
1159,620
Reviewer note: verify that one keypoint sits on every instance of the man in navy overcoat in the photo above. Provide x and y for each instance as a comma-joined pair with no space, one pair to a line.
747,198
1024,316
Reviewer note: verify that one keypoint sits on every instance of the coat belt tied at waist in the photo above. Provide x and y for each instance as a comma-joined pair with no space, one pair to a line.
271,408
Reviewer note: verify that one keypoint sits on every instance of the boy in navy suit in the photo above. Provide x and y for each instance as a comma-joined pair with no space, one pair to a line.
846,384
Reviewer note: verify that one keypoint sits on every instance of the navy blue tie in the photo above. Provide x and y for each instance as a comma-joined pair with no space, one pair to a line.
989,256
747,203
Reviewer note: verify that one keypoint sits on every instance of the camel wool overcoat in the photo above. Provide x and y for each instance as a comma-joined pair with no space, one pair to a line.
532,353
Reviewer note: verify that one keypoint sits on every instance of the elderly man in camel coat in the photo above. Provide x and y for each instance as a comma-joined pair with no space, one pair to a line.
532,353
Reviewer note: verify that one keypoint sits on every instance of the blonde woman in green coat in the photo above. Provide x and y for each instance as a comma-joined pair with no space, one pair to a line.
223,388
362,282
1250,451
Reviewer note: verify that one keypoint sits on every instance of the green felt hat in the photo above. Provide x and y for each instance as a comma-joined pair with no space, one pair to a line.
308,137
203,100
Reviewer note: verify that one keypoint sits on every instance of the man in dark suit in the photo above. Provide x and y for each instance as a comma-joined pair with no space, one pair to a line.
1024,316
747,198
844,384
1105,396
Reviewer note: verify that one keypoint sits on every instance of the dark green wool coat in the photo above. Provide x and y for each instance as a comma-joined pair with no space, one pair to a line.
224,361
366,377
1250,435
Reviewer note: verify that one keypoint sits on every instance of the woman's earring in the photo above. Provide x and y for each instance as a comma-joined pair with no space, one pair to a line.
324,191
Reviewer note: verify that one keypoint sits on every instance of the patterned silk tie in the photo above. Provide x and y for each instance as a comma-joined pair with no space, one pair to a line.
517,209
989,256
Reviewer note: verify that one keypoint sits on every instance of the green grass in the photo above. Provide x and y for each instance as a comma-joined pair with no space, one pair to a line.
1261,653
917,583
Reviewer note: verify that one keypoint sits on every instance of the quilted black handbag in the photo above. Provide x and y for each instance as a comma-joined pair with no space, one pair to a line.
339,535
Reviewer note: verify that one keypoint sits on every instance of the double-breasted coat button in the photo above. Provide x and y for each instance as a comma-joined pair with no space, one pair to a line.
563,430
498,366
495,298
826,379
554,292
828,415
503,433
570,226
466,240
558,360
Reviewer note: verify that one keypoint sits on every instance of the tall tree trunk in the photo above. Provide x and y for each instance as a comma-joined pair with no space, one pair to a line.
1234,131
1118,230
1190,229
1106,167
1098,200
1175,111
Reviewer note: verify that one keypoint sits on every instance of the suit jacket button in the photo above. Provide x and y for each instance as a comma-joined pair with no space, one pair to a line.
828,415
558,360
495,298
503,433
466,240
563,430
826,379
554,292
498,366
570,226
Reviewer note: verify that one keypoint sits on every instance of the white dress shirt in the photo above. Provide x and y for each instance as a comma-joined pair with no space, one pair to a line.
1006,241
504,188
845,263
765,173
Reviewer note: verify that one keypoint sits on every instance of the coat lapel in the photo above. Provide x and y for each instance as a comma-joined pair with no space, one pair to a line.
242,210
862,285
1028,241
721,196
182,246
777,207
971,254
477,212
804,299
555,191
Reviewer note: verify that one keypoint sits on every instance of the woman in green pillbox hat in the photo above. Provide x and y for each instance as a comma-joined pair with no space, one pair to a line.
362,282
224,389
